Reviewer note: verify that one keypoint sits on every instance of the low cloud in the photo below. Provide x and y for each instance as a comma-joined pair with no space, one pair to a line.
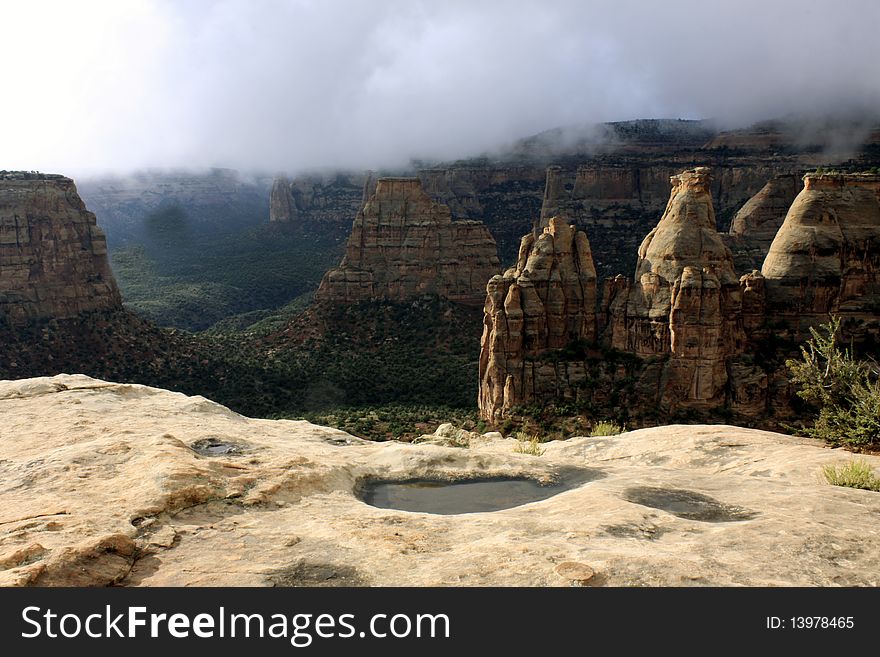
290,84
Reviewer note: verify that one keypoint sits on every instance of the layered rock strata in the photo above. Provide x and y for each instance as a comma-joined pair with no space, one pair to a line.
319,198
755,224
825,259
685,302
403,244
545,303
53,256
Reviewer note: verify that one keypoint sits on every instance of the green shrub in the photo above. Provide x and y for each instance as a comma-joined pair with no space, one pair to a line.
605,428
855,474
845,390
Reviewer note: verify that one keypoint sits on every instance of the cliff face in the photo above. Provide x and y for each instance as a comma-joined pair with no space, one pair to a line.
825,259
211,202
326,199
53,256
403,244
544,303
756,223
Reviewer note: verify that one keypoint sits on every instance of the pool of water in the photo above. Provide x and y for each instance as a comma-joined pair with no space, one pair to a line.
216,447
446,497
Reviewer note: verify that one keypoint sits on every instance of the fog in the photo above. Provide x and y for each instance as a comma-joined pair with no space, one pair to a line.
276,85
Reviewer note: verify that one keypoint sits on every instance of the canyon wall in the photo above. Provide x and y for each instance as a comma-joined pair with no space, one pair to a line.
756,223
130,208
825,259
404,244
331,198
53,256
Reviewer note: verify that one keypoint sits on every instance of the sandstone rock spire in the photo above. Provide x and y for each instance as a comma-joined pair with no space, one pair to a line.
545,303
685,302
755,224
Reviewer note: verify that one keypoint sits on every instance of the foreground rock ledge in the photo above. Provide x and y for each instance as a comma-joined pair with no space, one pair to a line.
100,486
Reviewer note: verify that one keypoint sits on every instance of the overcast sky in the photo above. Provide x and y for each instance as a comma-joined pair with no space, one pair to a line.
274,85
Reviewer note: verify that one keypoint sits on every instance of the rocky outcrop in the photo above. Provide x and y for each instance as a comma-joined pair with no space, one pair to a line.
755,224
762,215
53,256
685,302
183,492
825,259
330,198
617,201
680,323
403,244
545,303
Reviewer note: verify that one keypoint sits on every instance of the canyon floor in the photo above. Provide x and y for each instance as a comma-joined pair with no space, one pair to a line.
106,483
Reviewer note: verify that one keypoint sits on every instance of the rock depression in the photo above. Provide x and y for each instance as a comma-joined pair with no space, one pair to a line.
122,484
403,244
53,256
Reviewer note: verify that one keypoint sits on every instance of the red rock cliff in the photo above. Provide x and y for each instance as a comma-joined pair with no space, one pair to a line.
404,244
53,256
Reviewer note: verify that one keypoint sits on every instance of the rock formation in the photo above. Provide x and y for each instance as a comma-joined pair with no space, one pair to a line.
331,198
825,259
618,201
755,224
685,301
684,317
184,492
403,244
545,303
53,256
762,215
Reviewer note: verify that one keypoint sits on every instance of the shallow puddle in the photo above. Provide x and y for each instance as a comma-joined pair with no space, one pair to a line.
215,447
447,497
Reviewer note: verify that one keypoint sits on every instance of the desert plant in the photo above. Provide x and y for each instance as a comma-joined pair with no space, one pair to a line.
844,389
528,444
606,428
855,474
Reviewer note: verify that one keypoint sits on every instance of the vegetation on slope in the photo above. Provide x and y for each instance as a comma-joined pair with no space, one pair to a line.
844,390
183,276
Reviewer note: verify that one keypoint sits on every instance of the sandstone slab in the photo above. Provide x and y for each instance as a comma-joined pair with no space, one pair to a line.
101,486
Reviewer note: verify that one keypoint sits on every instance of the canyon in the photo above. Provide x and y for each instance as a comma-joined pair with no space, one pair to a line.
697,332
